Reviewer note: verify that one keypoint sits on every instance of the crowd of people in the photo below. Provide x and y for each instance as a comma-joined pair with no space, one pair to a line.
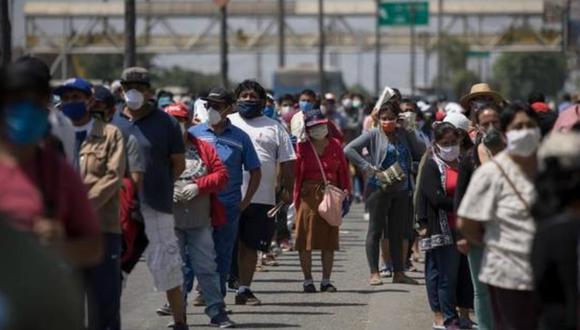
484,192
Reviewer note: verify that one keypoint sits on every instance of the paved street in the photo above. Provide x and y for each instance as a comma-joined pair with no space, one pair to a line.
356,306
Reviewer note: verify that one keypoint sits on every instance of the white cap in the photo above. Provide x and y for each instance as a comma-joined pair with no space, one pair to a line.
452,107
563,146
458,120
423,106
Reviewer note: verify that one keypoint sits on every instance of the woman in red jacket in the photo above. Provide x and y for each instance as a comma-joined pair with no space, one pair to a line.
196,210
313,232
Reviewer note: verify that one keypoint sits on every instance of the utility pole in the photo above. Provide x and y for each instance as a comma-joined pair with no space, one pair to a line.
439,33
5,33
281,34
321,78
224,45
130,40
378,50
413,47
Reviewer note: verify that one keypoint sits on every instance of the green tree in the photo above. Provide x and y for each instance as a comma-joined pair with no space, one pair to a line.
195,82
517,75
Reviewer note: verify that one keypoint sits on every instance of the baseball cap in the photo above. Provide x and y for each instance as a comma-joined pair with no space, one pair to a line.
27,73
136,75
458,120
177,110
219,95
313,118
102,94
75,84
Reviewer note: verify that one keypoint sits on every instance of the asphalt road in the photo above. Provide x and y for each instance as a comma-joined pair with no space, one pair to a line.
356,306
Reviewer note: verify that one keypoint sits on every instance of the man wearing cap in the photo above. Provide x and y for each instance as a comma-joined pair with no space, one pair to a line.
103,105
479,95
161,143
237,153
100,160
276,153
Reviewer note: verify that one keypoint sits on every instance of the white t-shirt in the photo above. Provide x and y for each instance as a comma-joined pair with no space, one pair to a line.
273,146
64,130
509,228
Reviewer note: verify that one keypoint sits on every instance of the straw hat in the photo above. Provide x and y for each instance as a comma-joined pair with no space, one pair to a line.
481,89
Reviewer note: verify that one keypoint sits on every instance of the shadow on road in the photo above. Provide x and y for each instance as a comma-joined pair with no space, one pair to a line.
313,304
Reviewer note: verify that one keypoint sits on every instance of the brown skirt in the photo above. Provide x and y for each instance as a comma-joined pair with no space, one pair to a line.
313,232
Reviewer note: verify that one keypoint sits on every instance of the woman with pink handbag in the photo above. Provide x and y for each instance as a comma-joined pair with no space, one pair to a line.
321,188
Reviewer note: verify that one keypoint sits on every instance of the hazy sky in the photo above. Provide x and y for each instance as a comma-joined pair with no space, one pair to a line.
357,68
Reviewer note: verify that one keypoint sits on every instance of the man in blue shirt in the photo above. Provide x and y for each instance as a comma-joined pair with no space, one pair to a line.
237,152
160,139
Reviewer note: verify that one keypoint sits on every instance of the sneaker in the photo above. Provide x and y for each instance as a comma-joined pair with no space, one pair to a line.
453,325
386,272
328,287
269,259
164,310
285,245
366,216
222,321
467,324
233,284
404,279
247,298
309,288
198,300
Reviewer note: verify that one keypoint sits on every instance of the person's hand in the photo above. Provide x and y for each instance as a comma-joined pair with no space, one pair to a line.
346,205
381,176
48,231
463,246
189,191
244,205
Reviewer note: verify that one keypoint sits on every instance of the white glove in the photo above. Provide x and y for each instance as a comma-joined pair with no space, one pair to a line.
177,194
189,191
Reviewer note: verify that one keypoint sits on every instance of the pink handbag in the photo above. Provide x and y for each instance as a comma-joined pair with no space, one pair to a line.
330,208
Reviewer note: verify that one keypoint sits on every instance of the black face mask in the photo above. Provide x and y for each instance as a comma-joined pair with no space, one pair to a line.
493,140
249,109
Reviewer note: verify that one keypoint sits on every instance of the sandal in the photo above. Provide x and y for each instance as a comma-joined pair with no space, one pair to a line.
375,281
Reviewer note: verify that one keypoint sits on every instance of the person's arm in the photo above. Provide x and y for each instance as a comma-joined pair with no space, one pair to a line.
176,149
465,172
344,180
110,184
135,162
177,165
430,187
217,177
472,230
298,175
253,184
417,146
287,180
353,151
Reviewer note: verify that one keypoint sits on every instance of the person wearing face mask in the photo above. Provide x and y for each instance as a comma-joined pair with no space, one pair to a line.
436,191
103,105
286,110
479,94
196,211
306,103
313,232
489,142
270,108
161,142
495,213
353,115
391,151
100,161
236,151
276,155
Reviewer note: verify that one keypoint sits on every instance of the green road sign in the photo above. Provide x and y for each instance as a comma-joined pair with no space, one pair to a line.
477,53
401,13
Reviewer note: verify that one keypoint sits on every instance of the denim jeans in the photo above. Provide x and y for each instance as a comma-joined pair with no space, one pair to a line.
198,253
441,271
103,283
224,240
480,290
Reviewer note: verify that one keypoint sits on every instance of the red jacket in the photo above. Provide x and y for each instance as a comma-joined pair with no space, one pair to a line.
214,182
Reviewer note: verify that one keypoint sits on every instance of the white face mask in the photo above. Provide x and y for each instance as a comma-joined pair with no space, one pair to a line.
347,103
523,142
450,153
356,103
318,132
134,99
286,109
213,117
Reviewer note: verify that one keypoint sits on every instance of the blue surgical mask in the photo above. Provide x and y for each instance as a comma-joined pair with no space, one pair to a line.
74,110
305,106
249,109
26,123
270,112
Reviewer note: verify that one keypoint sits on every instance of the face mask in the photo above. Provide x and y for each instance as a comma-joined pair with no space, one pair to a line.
286,109
450,153
213,117
74,110
305,106
389,126
523,142
134,99
269,112
347,103
318,132
249,109
26,123
356,103
492,139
